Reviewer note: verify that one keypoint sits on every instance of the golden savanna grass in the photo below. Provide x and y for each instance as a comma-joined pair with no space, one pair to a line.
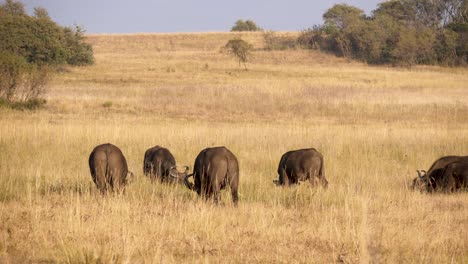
375,125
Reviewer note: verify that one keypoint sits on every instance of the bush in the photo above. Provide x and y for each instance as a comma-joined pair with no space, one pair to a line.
39,41
79,53
21,81
107,104
31,104
247,25
30,47
273,41
240,49
42,41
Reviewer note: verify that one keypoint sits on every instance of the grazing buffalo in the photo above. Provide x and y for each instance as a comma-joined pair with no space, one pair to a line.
160,164
453,178
214,169
428,181
109,168
301,165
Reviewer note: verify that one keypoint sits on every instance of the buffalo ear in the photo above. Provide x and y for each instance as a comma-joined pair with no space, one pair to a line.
174,174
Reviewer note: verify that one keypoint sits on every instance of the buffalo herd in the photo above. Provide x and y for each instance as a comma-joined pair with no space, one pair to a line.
217,167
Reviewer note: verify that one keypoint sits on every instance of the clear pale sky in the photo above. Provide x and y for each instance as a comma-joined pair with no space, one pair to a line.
125,16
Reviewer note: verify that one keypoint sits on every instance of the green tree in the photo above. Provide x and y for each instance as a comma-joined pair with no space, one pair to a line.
341,22
241,49
342,16
78,51
446,46
247,25
37,40
396,9
414,47
31,46
400,32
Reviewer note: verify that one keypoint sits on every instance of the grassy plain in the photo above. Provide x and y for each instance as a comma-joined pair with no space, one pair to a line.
375,126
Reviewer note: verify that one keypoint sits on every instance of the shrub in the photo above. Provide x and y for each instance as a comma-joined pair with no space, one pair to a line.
30,47
19,80
247,25
107,104
273,41
31,104
240,49
39,41
78,53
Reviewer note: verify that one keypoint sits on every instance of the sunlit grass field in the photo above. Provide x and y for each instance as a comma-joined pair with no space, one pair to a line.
374,125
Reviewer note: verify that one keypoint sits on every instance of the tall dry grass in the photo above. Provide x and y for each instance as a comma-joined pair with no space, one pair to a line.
374,126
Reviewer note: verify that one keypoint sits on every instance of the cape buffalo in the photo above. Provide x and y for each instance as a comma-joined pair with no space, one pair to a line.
427,181
214,169
160,164
301,165
453,178
109,168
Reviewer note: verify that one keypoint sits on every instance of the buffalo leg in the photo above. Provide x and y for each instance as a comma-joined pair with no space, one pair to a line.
101,171
215,192
233,186
285,177
235,195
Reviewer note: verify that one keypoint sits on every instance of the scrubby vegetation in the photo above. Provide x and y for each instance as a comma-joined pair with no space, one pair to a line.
275,41
240,49
31,47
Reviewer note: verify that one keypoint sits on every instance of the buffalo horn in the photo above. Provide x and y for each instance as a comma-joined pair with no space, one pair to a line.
188,184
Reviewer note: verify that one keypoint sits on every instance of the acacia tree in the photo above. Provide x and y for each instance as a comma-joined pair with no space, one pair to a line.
240,49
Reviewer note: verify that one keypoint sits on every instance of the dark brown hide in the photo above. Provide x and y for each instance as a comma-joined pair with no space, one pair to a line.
454,177
428,181
108,168
159,164
214,169
301,165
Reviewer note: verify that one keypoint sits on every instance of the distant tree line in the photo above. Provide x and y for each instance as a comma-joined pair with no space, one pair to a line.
31,47
399,32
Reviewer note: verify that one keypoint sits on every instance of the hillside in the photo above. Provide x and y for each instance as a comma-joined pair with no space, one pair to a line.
158,73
